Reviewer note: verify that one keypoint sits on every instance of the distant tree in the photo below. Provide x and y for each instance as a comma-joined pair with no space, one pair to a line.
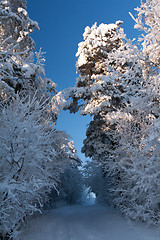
69,190
97,183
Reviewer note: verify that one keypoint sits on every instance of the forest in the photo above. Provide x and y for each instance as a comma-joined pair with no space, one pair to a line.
117,85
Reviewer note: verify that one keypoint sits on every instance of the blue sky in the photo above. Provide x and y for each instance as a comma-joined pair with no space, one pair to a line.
62,24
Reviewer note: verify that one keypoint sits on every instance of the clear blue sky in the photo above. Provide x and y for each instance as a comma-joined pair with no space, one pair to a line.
62,24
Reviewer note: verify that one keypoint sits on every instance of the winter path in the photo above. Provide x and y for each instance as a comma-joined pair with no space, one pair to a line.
86,223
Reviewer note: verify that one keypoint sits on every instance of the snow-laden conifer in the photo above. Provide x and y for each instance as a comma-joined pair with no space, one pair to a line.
109,68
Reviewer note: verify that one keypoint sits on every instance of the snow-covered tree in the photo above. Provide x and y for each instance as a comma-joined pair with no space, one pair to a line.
118,85
136,158
109,68
16,26
105,62
96,182
136,163
148,21
33,156
69,190
19,73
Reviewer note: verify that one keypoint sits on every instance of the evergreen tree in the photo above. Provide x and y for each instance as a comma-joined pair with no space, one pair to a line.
109,76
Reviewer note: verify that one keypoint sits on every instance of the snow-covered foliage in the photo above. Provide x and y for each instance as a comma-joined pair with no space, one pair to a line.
137,191
130,163
118,85
69,190
33,154
19,73
71,186
148,21
32,157
108,78
95,182
15,23
108,66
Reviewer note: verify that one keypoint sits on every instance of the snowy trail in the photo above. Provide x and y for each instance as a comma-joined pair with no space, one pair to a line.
86,223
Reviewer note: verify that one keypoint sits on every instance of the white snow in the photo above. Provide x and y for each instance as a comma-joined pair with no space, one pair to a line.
87,223
22,10
82,60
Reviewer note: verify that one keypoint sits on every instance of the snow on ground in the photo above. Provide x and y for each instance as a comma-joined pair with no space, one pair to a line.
86,223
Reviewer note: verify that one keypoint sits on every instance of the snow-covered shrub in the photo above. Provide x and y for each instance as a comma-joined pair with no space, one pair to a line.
132,168
32,156
136,192
69,190
71,186
96,182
